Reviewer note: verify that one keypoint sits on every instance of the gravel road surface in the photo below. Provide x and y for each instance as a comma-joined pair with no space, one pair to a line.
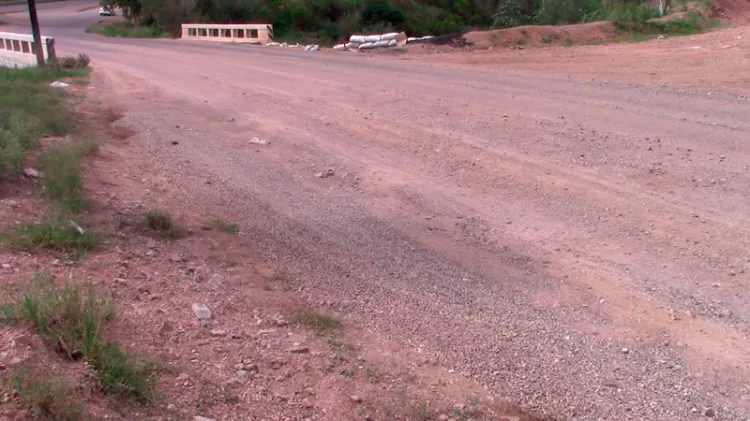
579,247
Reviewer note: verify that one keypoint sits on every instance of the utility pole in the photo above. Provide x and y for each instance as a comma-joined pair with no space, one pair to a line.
39,48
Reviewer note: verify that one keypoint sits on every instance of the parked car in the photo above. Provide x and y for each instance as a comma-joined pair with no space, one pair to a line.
106,11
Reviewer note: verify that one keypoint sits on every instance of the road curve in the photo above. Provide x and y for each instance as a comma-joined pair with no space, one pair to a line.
578,247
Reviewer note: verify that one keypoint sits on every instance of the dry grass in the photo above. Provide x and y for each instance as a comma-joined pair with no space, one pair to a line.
315,320
159,222
49,398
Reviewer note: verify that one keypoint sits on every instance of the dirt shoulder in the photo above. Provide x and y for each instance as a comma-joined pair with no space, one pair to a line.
265,350
712,61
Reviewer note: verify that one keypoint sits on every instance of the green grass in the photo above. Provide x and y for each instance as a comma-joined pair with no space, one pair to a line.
57,234
62,182
45,396
317,321
73,323
639,20
689,25
224,226
127,30
29,109
632,17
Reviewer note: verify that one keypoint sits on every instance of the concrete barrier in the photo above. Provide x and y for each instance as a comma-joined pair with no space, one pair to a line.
18,50
237,33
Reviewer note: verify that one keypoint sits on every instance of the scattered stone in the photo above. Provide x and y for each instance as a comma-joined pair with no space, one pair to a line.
199,418
174,142
30,172
58,84
297,349
325,174
280,322
625,350
459,407
143,288
259,141
709,412
241,373
120,281
218,333
443,417
77,227
7,266
355,399
201,311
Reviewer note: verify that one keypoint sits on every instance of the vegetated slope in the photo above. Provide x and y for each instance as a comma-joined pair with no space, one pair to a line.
332,20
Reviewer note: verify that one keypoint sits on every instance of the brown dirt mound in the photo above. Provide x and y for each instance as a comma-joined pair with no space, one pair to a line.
737,11
543,34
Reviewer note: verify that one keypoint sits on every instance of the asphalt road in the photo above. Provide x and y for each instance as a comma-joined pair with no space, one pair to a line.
578,247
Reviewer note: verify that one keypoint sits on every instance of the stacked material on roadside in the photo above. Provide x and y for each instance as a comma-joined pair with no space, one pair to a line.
369,42
419,40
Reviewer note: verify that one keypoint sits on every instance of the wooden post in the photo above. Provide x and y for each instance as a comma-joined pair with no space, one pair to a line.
51,54
37,36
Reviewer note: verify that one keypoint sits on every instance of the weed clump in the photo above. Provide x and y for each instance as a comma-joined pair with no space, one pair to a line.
224,226
73,323
315,320
45,396
57,234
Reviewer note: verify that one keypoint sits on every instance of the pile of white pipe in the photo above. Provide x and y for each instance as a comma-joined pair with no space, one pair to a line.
419,39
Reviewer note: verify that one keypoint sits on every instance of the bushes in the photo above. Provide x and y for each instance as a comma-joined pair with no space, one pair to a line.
329,21
326,20
382,11
632,17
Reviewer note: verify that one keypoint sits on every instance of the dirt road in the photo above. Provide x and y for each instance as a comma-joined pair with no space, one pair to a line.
578,247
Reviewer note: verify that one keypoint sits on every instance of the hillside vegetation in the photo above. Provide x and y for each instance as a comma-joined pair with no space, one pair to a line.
328,21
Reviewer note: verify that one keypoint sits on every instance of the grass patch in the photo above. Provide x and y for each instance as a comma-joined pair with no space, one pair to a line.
522,42
689,25
641,20
160,222
423,412
81,61
56,234
127,30
47,397
552,36
62,181
29,109
632,17
317,321
224,226
72,322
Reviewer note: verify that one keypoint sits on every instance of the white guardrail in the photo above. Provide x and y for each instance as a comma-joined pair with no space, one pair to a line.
235,33
18,50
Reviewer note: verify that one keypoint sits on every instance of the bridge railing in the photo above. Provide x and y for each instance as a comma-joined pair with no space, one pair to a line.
19,50
238,33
